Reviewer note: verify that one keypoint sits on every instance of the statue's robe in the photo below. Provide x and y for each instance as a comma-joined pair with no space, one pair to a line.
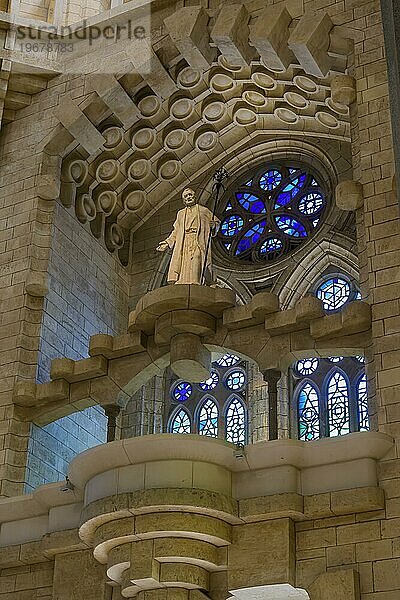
190,240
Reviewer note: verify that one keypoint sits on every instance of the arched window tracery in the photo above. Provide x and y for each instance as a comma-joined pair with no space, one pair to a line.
208,418
338,405
180,422
269,215
331,401
330,394
235,421
215,407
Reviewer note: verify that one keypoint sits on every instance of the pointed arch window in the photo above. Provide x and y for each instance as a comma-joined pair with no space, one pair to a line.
235,419
215,407
309,413
330,396
338,405
208,418
362,397
180,422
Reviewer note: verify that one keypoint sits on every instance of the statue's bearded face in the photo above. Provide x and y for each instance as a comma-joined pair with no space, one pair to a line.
189,197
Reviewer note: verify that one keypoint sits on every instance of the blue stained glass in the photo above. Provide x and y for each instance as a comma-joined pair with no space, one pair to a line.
271,245
334,293
182,391
358,296
250,238
251,203
232,225
270,180
360,359
291,226
235,380
211,382
311,203
180,423
309,428
335,359
290,191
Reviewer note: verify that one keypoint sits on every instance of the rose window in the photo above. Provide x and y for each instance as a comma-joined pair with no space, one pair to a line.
271,214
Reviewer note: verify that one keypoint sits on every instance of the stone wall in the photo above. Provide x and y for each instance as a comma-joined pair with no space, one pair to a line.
87,295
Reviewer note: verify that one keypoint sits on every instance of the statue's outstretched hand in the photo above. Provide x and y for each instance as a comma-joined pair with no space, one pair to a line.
162,246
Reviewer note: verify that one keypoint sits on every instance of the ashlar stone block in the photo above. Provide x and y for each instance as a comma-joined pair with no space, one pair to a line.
268,543
341,585
188,29
113,94
76,122
231,34
310,43
270,35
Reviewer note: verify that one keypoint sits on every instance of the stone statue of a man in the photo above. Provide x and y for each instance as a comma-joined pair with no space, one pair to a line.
190,242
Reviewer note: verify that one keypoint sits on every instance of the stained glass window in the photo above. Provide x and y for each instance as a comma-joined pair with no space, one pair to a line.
232,225
208,418
307,366
269,215
235,380
235,431
308,413
182,391
291,226
311,203
271,246
270,180
228,360
329,400
180,423
211,383
363,418
338,405
215,407
334,293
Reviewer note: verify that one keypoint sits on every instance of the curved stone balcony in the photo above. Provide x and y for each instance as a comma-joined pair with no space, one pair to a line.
185,514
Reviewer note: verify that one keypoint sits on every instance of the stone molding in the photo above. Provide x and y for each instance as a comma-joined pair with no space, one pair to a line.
259,331
160,511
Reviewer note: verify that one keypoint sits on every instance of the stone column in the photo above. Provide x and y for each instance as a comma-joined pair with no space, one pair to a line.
391,26
112,411
144,412
272,377
257,406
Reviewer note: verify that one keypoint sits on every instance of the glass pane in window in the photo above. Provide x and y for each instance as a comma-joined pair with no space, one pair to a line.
363,418
208,418
338,405
235,422
180,423
308,406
